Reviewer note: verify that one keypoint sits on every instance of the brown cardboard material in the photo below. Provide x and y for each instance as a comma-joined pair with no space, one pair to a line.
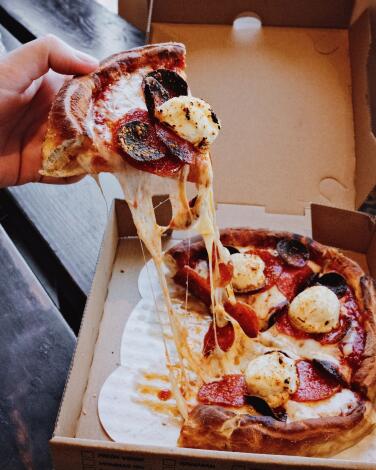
295,74
80,439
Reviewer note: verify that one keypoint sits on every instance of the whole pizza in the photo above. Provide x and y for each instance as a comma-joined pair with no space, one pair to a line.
296,342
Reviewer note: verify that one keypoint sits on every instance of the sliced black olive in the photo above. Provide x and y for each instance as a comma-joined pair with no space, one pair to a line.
335,282
260,405
171,81
278,311
293,252
138,140
232,249
330,369
155,94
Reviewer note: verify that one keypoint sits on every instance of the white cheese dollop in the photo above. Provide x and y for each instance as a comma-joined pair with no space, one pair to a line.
315,310
191,118
272,377
248,272
341,403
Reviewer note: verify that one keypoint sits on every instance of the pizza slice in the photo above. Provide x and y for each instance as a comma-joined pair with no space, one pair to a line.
135,117
135,110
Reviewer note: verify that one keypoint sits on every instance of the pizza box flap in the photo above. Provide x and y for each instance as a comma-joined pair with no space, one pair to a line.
294,109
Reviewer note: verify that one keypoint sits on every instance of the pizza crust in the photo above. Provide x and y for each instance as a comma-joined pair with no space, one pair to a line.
70,147
216,428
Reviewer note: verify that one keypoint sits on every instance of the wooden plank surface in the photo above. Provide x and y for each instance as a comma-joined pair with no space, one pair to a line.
36,349
84,24
70,219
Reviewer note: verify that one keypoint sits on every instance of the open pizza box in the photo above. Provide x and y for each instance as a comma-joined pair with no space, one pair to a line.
292,83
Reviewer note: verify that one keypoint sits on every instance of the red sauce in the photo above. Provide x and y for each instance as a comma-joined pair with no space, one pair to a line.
164,395
245,316
225,338
314,384
229,391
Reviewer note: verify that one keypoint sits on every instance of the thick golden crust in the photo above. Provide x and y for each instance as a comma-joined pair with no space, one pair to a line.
69,131
213,427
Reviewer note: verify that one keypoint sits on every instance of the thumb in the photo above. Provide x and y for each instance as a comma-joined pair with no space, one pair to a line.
22,66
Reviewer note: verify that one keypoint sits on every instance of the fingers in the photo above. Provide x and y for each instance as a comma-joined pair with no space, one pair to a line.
22,66
62,180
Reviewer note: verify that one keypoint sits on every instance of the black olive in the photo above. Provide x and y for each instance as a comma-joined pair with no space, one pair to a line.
293,252
278,311
136,138
335,282
330,369
232,249
155,94
171,81
161,85
261,406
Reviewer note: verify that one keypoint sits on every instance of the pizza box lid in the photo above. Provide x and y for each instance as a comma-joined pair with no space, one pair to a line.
289,80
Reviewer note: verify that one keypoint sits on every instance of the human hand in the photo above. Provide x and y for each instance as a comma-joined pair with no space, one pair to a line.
30,76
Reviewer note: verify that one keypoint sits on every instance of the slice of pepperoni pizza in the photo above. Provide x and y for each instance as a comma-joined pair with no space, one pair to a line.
135,110
290,367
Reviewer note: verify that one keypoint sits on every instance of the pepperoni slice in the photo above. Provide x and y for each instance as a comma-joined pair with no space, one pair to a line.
292,280
225,338
180,148
245,316
196,284
226,271
284,326
229,391
314,384
337,334
136,133
273,266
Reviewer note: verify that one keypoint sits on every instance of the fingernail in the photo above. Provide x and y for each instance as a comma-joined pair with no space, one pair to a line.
83,57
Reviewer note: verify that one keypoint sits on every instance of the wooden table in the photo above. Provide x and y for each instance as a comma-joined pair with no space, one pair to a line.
57,228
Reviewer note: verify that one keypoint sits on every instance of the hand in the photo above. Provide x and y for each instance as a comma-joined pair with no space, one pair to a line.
30,76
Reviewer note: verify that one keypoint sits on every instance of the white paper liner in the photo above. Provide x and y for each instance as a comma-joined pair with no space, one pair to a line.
121,413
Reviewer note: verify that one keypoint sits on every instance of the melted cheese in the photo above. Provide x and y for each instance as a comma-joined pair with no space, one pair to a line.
266,303
341,403
315,310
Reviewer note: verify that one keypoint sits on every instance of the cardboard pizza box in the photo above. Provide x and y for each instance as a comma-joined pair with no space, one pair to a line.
296,109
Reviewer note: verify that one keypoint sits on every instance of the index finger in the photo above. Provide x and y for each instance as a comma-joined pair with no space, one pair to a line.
21,67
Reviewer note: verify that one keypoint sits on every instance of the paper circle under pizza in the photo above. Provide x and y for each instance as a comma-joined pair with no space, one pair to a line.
297,342
135,110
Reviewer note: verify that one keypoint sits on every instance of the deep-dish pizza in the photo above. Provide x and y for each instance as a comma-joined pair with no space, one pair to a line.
289,367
